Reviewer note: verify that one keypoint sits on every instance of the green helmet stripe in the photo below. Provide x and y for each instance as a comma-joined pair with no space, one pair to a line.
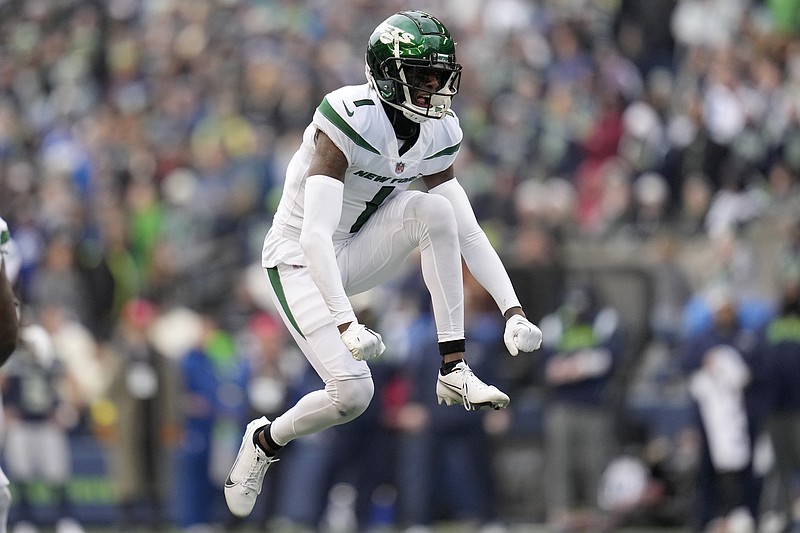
328,112
447,151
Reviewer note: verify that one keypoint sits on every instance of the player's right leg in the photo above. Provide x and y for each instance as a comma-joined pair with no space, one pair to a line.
5,501
347,393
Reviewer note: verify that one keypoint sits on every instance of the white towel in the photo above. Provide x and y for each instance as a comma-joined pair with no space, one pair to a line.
718,388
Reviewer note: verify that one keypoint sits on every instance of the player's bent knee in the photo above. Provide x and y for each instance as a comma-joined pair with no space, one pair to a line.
435,212
353,396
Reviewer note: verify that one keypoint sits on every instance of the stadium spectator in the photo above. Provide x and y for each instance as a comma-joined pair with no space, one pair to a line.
787,260
9,332
581,351
143,390
536,267
435,443
58,281
726,377
782,345
38,421
695,199
671,290
212,391
85,367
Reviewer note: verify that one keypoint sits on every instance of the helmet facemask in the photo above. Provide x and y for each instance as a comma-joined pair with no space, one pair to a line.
423,90
410,72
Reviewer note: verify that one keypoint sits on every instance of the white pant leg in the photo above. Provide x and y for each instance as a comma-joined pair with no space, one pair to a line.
20,436
408,221
54,453
379,251
5,501
348,383
37,450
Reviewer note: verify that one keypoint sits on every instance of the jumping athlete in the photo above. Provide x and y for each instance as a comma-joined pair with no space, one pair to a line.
346,222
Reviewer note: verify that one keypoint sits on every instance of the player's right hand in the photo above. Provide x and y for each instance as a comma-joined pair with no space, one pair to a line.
362,342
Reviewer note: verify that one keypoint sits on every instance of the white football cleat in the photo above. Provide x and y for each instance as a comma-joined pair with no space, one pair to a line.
247,474
462,387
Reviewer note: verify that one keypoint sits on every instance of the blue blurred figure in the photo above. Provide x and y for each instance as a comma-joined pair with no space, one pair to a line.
211,373
582,347
726,377
453,481
331,480
781,344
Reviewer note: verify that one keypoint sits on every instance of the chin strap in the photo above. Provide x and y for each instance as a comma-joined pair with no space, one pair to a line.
404,129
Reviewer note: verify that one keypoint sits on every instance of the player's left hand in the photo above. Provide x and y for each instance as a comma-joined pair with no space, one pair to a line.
521,335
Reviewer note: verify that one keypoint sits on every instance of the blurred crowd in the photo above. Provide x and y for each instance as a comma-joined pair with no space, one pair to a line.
142,149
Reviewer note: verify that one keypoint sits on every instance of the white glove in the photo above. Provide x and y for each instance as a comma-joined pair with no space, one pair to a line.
362,342
521,335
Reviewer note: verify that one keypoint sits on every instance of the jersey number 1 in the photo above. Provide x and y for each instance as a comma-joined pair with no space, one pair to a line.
371,207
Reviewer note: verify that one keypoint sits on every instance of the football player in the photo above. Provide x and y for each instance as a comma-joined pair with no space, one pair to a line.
9,324
9,331
346,223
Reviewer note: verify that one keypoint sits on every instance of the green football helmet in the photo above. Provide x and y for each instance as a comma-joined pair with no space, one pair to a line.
411,63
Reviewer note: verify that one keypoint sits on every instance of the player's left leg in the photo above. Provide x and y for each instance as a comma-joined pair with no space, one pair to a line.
412,220
415,220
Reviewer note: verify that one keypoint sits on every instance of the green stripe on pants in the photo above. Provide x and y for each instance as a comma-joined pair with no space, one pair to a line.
277,286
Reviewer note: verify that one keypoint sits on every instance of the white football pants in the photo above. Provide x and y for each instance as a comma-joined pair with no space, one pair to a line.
377,252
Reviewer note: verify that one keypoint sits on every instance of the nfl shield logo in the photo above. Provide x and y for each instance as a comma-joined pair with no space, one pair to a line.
399,168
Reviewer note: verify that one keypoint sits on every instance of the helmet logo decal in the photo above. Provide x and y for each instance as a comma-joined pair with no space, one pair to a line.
392,34
399,167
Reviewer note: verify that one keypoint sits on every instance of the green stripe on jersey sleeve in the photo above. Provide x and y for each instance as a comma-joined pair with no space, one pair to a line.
447,151
328,112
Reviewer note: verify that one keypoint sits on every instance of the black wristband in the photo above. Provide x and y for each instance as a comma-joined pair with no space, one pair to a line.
448,347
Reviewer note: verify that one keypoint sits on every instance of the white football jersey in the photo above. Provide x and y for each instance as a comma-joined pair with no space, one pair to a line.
354,119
